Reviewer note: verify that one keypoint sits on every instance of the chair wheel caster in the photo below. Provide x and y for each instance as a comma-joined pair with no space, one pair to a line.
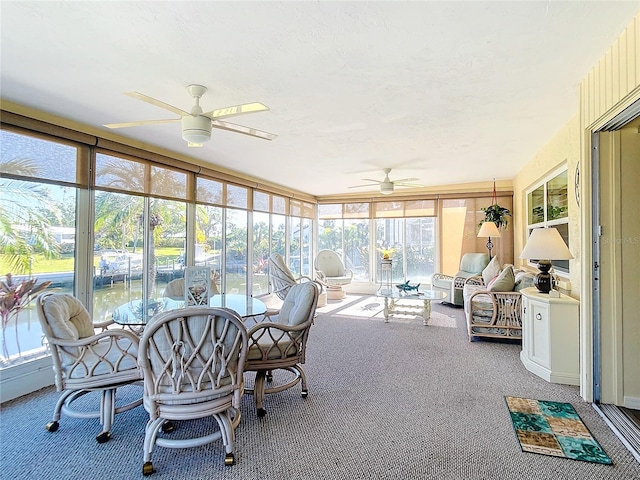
147,469
304,394
261,412
52,426
168,426
103,437
229,459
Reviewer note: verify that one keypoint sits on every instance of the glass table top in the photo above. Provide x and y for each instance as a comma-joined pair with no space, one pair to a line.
412,295
134,313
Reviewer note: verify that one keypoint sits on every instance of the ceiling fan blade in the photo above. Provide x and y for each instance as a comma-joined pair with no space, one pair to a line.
401,184
236,110
405,180
143,122
371,180
157,103
367,185
252,132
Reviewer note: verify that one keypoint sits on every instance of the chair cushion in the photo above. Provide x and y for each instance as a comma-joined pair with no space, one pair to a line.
296,308
491,271
474,263
284,349
504,282
67,317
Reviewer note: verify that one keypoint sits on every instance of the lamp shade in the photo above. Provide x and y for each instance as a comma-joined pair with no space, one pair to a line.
546,244
488,229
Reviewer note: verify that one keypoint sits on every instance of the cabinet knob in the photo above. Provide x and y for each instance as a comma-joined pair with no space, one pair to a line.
538,316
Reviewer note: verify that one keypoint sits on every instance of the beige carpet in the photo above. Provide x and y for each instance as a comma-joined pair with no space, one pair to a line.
387,401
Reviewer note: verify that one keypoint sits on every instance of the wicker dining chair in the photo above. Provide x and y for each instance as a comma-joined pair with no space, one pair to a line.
193,362
279,342
87,357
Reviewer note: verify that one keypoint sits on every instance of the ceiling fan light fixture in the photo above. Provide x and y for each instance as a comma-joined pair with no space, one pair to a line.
196,129
386,188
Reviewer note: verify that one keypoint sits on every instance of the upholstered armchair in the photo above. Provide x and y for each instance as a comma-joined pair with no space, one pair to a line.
87,357
331,272
470,264
193,362
279,342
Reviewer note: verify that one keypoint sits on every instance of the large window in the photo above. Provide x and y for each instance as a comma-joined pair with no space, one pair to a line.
112,228
407,227
547,206
37,228
345,229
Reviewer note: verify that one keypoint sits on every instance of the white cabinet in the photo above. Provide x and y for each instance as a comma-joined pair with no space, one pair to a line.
550,336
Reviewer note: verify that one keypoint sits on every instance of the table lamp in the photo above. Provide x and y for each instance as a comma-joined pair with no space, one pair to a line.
544,245
489,229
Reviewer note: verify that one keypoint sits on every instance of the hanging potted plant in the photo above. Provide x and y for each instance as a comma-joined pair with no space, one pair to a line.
495,213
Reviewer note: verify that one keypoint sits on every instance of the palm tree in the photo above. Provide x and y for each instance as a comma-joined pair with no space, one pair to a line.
120,216
25,230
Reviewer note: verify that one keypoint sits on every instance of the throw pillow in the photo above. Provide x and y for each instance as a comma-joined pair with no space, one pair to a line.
505,281
491,270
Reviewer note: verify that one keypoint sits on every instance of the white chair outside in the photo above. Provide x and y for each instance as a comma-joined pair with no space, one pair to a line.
87,361
331,272
193,362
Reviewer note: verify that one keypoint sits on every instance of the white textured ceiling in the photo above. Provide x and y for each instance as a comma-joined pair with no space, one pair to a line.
448,92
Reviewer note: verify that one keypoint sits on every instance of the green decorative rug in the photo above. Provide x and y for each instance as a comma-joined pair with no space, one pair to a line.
553,428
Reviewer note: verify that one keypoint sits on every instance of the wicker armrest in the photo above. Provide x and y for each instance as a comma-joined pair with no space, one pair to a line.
506,314
275,341
475,280
112,351
441,276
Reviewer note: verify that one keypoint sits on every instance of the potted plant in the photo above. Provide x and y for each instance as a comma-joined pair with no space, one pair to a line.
496,214
386,253
14,297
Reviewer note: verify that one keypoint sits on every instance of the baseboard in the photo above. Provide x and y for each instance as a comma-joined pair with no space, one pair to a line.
25,378
632,403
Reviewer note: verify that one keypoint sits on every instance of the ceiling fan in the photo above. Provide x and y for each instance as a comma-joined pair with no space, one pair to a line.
387,185
196,125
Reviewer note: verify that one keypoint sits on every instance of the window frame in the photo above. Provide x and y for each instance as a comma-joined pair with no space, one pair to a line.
544,183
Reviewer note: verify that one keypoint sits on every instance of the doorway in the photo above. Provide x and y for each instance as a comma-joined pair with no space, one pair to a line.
616,278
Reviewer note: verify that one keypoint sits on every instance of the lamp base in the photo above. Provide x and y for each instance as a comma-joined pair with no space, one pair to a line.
543,280
489,247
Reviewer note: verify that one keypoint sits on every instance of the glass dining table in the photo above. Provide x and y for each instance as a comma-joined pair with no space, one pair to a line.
134,313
